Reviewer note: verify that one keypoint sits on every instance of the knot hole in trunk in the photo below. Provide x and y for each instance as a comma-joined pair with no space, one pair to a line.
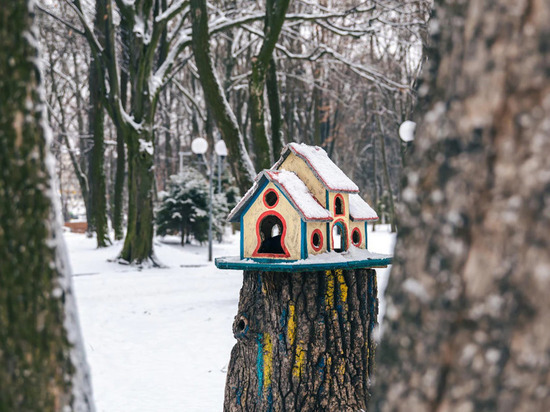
240,327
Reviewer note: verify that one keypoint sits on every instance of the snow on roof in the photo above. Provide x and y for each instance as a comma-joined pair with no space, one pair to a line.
359,209
296,191
317,159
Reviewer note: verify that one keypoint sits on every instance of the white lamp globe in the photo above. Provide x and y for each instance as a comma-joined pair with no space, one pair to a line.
199,145
406,131
221,148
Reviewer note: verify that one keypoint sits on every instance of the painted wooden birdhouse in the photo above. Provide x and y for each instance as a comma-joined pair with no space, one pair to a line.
303,206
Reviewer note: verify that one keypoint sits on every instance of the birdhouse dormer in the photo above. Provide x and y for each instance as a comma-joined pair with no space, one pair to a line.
303,206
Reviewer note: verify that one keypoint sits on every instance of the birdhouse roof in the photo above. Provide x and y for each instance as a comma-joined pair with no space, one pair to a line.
320,164
359,209
294,190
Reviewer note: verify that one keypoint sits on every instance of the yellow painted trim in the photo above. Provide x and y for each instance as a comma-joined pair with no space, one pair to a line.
343,286
299,360
291,329
268,360
329,297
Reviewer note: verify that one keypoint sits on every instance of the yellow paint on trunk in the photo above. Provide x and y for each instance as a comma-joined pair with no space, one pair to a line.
268,359
343,286
299,360
329,298
291,328
342,368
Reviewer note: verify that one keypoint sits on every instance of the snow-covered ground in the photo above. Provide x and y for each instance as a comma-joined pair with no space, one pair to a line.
160,339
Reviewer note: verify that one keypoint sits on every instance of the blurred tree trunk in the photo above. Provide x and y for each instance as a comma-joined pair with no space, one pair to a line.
467,303
304,342
41,353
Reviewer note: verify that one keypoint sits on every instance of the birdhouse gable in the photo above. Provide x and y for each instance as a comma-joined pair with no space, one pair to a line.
299,195
292,188
326,171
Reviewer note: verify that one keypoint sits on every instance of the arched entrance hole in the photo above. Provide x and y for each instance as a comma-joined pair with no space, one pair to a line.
271,236
339,237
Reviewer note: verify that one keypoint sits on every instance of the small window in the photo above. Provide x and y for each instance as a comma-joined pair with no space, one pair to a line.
316,240
338,205
270,198
356,237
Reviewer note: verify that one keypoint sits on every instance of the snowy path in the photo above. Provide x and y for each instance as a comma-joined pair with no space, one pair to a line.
159,340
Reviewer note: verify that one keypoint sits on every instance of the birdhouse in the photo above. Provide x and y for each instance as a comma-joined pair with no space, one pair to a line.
304,209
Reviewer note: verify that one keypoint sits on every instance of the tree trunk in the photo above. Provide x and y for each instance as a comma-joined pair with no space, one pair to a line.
274,18
98,198
467,300
304,342
138,244
242,167
274,99
41,352
118,212
96,117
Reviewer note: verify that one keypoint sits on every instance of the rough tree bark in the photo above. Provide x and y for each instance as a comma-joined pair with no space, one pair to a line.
241,165
304,342
274,101
274,18
118,206
96,117
467,303
41,352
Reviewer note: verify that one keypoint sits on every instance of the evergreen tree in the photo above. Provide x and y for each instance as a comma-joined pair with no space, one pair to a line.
184,209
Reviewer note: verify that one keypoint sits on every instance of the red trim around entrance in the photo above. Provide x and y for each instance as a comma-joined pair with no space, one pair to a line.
344,235
259,238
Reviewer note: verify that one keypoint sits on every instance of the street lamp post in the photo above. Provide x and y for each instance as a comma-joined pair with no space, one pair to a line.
406,134
200,146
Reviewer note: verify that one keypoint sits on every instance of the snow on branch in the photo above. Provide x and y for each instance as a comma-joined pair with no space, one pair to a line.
172,11
157,79
129,119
